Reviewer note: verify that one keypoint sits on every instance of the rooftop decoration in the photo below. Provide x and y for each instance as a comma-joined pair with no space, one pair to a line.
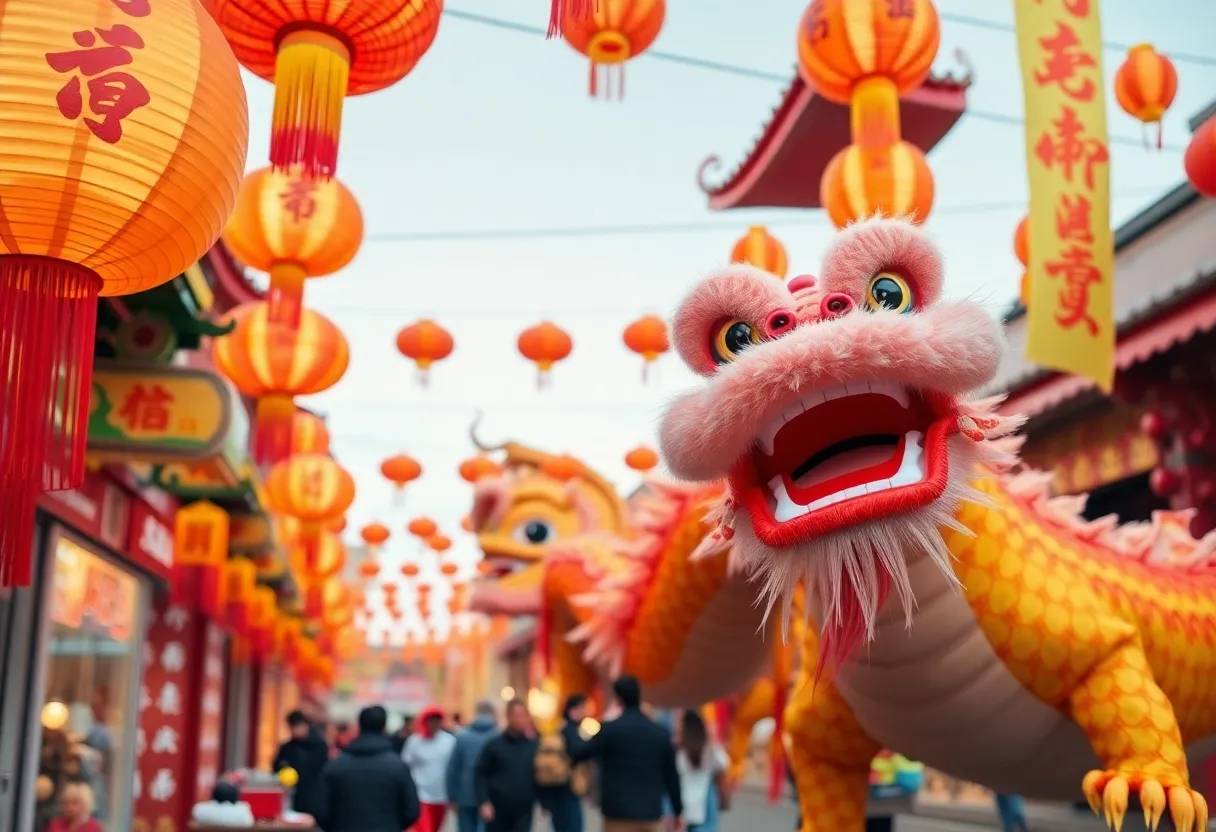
272,363
425,342
647,336
293,227
761,249
866,53
544,345
140,125
317,53
1145,85
615,32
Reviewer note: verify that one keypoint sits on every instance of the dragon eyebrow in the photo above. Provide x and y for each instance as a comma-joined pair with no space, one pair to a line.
544,493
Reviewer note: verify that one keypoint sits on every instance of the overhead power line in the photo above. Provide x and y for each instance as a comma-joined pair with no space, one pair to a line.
748,72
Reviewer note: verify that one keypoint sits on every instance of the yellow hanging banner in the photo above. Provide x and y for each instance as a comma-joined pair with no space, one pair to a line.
1070,324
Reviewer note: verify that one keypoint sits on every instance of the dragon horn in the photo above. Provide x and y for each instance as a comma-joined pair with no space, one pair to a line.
477,443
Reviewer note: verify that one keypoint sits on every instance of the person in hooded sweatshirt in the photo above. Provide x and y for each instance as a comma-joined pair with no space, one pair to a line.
306,752
367,788
470,742
505,777
427,753
225,808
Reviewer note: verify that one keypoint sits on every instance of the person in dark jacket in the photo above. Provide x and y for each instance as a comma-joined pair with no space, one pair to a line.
637,765
306,752
565,808
470,742
367,788
504,778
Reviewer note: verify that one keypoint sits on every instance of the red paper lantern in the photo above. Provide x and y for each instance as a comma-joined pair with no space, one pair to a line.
424,343
641,459
1145,85
544,345
1200,159
647,336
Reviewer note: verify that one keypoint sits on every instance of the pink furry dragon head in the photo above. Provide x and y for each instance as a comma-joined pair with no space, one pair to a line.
834,412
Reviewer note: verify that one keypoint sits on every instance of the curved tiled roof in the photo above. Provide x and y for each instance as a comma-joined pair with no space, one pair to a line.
772,175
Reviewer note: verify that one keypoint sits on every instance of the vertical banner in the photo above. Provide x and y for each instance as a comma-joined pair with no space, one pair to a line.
1070,324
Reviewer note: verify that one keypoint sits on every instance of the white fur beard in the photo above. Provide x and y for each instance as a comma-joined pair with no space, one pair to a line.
857,553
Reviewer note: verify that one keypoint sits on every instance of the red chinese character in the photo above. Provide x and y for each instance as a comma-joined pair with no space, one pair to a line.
1076,268
298,199
1069,148
146,409
816,23
1073,214
112,95
311,486
1064,57
1077,8
196,538
134,8
900,8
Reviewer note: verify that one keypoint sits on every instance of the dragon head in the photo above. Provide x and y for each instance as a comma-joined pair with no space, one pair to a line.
834,411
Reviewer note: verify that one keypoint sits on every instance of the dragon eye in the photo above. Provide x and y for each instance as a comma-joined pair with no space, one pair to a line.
889,291
731,338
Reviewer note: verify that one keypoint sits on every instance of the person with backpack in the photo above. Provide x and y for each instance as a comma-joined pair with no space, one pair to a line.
561,786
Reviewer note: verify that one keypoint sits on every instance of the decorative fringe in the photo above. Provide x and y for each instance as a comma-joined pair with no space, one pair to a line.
311,76
272,429
286,295
607,71
577,9
48,320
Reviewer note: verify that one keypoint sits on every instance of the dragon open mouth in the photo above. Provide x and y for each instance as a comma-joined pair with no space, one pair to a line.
500,566
861,449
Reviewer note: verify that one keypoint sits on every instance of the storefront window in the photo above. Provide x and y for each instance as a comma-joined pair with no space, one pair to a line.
91,670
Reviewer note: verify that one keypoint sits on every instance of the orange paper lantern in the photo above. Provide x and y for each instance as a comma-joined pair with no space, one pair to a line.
374,534
438,543
327,560
125,126
563,468
337,525
369,569
293,227
422,527
448,569
1200,159
318,52
400,470
272,363
1021,241
843,42
410,570
544,345
485,568
647,336
1145,85
764,251
424,343
614,32
312,488
478,467
641,458
895,181
309,434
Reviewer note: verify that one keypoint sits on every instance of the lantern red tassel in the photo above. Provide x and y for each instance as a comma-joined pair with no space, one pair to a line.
202,589
48,319
272,429
580,9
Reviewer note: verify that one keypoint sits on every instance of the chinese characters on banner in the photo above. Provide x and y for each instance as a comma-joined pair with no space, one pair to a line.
211,711
161,742
1070,320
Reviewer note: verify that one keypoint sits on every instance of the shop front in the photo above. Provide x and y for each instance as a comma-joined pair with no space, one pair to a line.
74,648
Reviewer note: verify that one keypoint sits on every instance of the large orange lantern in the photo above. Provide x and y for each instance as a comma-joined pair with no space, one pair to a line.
641,459
438,543
313,489
422,527
1200,159
760,249
293,227
272,363
374,535
544,345
424,343
614,32
647,336
1145,85
854,186
328,554
478,467
400,470
124,126
309,434
318,52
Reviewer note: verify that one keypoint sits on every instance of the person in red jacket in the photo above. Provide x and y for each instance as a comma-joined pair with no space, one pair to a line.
75,810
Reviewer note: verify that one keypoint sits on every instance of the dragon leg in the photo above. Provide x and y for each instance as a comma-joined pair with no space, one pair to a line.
828,751
1132,727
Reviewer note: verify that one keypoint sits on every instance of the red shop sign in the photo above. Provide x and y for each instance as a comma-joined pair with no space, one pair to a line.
150,542
99,508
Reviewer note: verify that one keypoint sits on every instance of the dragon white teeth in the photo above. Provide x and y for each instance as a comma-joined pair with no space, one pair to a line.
767,437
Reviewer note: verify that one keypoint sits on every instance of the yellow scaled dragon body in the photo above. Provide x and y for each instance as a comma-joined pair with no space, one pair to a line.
959,614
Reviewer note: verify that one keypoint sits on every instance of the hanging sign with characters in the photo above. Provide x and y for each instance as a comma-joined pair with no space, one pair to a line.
158,414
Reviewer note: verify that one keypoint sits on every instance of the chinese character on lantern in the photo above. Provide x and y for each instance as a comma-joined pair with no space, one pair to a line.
113,95
299,199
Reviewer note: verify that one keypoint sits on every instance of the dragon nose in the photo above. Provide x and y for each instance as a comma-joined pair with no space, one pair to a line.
835,304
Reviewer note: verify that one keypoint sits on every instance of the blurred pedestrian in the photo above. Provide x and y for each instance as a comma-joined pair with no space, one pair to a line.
462,765
637,765
403,733
561,785
75,810
427,752
307,753
1012,812
702,766
367,788
504,779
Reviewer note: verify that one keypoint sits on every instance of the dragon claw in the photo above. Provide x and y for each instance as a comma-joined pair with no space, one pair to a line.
1109,792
